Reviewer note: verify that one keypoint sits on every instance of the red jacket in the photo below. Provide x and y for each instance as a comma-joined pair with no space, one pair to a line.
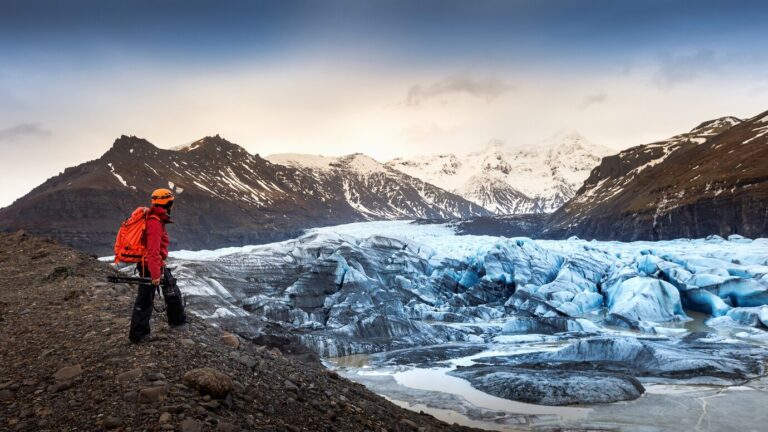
157,240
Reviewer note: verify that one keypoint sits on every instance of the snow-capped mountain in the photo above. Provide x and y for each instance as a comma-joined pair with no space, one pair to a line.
507,180
711,180
374,190
227,196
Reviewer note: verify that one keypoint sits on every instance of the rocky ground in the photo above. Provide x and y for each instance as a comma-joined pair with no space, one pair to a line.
66,363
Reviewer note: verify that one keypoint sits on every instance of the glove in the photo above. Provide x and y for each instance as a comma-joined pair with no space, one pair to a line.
156,282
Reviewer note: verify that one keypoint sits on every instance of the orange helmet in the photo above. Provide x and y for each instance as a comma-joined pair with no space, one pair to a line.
162,197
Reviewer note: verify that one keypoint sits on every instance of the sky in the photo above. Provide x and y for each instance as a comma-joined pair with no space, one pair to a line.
389,78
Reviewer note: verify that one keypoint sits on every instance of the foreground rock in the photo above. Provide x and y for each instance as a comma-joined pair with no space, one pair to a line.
209,382
66,364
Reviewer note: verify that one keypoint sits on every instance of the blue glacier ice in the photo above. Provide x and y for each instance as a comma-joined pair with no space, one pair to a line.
641,298
379,286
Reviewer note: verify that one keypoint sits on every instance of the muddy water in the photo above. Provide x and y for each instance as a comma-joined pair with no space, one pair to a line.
661,408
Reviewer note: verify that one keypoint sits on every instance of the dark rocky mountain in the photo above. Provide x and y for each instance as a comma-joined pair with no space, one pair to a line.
512,225
712,180
227,196
516,225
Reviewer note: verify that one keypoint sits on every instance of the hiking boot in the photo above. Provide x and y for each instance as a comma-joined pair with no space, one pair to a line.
146,339
181,328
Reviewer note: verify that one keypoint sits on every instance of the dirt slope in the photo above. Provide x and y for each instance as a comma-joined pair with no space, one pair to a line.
66,363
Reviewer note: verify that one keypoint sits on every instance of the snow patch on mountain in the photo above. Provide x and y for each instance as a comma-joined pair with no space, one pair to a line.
512,180
377,191
650,155
119,177
298,160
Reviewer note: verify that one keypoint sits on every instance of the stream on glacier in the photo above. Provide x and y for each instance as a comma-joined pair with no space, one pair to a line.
504,334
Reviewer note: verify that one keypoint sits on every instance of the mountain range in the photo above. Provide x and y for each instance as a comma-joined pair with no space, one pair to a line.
507,180
710,180
227,196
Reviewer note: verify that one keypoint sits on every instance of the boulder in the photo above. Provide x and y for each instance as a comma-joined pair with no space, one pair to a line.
191,425
68,373
112,422
152,394
230,340
165,417
209,381
129,375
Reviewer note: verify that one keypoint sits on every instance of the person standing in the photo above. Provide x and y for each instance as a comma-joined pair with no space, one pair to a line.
153,266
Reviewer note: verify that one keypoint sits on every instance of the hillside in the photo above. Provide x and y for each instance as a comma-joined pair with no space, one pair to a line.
226,197
66,363
711,180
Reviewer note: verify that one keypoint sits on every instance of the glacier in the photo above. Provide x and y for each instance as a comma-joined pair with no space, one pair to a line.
537,321
378,286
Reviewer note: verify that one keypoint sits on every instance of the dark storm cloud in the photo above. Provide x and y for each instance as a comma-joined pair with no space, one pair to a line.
483,88
199,31
23,130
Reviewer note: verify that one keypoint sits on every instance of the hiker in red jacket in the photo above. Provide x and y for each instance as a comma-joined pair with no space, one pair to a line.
154,267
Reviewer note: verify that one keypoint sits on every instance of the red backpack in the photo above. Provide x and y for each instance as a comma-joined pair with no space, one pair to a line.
131,241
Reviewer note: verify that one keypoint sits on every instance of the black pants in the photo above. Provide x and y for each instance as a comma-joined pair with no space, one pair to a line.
142,307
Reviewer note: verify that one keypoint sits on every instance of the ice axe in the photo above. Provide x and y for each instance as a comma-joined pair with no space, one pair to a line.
132,280
146,281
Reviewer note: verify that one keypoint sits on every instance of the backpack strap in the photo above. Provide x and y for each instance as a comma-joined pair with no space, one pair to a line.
148,215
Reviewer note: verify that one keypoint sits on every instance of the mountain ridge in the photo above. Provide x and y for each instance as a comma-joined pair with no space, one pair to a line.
706,181
227,196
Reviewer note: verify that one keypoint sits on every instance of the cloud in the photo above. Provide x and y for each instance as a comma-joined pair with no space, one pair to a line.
679,69
592,99
23,130
483,88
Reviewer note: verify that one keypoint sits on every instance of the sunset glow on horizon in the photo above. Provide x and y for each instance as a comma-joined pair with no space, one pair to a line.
387,79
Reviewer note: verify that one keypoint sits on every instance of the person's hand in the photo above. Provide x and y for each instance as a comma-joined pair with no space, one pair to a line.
156,282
